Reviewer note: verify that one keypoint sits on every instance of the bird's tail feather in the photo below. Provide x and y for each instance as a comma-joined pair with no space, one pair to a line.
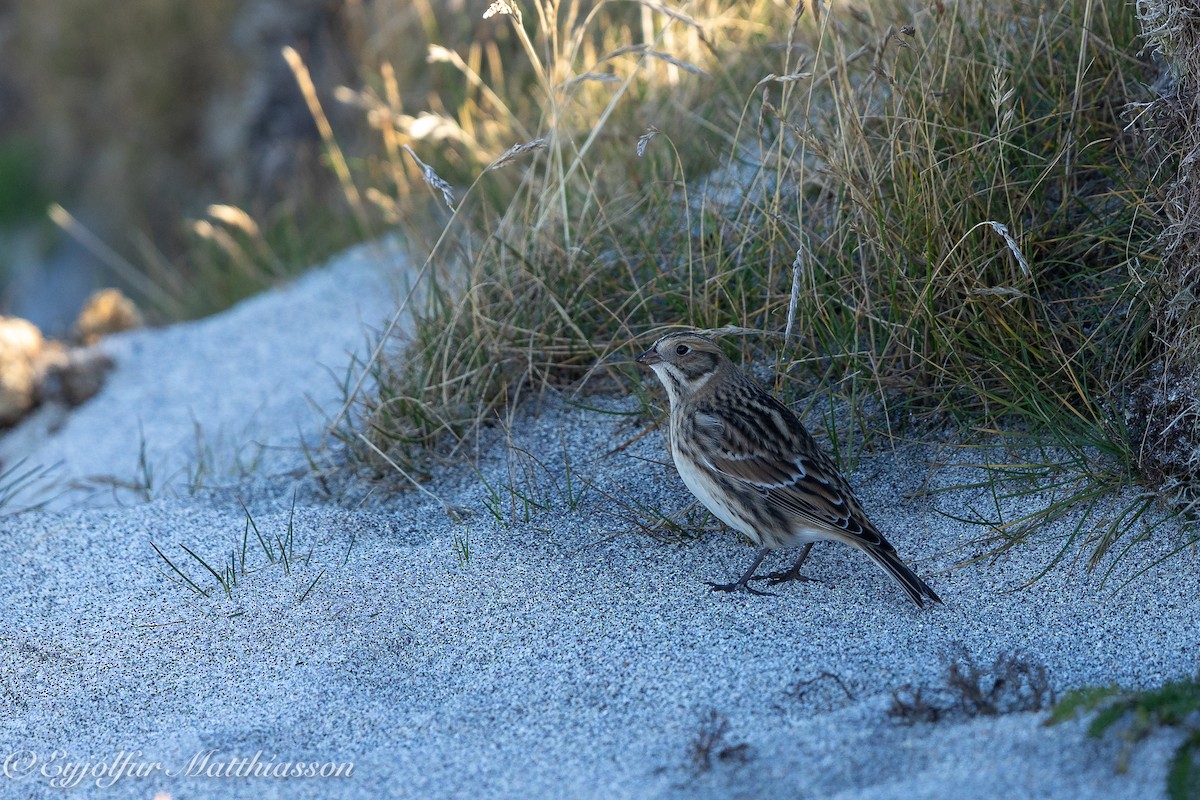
916,588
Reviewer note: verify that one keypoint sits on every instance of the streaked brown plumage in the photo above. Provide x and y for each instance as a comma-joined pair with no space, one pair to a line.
753,464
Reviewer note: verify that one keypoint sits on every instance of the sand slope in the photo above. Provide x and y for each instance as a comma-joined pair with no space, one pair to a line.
566,656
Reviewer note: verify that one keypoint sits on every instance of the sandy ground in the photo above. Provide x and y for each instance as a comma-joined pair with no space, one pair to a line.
542,647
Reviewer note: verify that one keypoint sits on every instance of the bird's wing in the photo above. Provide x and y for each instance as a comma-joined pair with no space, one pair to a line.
770,451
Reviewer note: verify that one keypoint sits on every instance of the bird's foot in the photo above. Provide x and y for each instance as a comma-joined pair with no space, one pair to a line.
740,586
784,576
792,573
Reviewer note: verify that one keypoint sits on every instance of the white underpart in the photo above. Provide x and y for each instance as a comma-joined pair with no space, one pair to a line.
660,370
701,484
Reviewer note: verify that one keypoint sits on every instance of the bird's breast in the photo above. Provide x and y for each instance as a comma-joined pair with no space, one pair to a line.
715,493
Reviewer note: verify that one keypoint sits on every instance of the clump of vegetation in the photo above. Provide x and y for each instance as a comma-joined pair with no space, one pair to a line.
711,745
1013,683
1138,714
940,211
233,568
1164,412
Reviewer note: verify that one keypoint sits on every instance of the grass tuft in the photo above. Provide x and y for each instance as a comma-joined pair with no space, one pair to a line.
239,563
1137,714
20,477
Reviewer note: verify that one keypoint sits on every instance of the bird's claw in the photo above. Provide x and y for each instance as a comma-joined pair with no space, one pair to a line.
740,586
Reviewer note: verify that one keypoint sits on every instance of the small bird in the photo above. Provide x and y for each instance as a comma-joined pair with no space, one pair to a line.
753,464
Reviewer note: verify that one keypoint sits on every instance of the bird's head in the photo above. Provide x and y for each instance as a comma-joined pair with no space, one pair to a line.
684,362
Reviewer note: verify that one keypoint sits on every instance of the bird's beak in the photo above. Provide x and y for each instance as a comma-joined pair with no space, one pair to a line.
649,358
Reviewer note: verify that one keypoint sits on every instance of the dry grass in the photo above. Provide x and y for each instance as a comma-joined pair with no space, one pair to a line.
940,211
136,119
1012,684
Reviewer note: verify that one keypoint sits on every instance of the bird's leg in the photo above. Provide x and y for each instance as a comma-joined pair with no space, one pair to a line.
743,583
792,574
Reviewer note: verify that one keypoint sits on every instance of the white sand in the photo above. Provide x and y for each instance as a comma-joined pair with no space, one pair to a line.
558,661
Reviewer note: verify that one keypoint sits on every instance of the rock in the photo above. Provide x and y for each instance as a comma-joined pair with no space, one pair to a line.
21,345
106,312
70,375
35,370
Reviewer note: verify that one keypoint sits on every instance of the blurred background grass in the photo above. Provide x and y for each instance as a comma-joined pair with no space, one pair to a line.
137,117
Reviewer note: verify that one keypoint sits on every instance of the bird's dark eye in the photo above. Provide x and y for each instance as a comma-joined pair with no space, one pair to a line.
681,350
